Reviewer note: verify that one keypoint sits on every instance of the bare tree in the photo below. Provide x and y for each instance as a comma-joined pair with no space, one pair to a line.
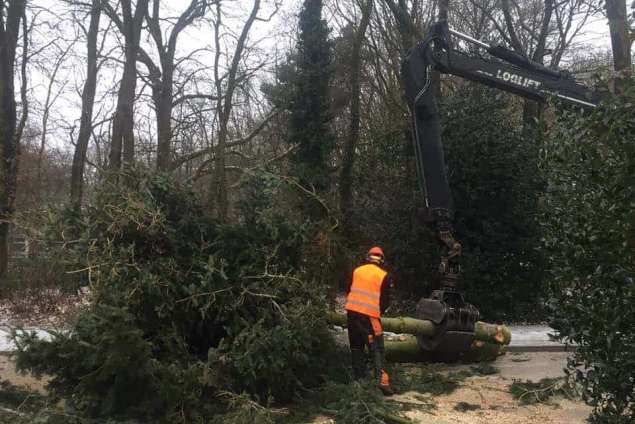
621,41
162,78
537,34
224,104
88,102
406,24
472,20
348,159
51,97
537,29
12,12
123,122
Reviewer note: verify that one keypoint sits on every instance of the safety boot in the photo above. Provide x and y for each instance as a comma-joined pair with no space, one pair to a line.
384,384
378,352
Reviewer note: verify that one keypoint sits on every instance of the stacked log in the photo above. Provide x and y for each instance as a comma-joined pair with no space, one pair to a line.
490,339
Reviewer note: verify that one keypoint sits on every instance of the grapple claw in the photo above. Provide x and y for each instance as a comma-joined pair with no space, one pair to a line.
454,320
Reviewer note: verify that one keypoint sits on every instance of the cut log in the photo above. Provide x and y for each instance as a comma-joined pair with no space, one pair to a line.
407,349
490,333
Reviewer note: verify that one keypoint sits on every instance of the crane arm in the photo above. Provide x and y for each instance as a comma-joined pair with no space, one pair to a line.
507,71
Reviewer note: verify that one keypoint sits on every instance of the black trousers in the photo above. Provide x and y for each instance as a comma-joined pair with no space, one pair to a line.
366,332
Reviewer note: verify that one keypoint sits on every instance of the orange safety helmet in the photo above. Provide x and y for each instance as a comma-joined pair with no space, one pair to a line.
375,255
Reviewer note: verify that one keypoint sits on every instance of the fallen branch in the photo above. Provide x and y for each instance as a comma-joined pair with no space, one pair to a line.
11,411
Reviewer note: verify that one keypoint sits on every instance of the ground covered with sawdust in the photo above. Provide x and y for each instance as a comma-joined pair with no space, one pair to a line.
487,398
466,394
469,396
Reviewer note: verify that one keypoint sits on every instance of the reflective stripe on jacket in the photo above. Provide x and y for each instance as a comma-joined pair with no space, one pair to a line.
366,290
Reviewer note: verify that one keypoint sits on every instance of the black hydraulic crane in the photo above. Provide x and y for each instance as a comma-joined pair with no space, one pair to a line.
505,70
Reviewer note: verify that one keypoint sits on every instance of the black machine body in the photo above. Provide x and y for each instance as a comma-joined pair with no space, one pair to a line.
504,69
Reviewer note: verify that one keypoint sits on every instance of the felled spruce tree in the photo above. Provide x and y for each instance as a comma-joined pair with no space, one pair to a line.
181,309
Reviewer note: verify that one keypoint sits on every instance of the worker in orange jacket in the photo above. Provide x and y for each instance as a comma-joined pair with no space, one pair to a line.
367,299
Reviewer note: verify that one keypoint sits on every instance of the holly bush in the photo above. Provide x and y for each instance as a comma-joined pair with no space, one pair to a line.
590,239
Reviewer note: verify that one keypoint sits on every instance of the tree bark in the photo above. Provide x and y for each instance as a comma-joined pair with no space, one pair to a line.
123,122
348,159
88,101
162,97
9,142
620,42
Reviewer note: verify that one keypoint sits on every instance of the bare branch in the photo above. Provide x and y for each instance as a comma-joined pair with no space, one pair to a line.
511,30
231,143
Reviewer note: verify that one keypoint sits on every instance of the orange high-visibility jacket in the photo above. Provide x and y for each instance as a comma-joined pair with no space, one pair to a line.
365,293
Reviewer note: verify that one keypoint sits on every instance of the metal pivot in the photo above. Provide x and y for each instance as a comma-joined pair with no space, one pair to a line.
449,267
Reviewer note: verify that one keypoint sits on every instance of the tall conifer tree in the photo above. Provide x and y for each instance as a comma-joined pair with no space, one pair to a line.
310,117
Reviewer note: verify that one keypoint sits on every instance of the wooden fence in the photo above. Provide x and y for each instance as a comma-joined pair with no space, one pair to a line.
19,246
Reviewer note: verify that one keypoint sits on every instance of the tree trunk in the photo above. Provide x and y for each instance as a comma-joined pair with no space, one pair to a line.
163,106
88,101
435,76
620,42
123,122
532,110
533,113
163,80
48,104
162,97
218,190
348,158
408,31
219,181
126,109
225,105
9,143
4,248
